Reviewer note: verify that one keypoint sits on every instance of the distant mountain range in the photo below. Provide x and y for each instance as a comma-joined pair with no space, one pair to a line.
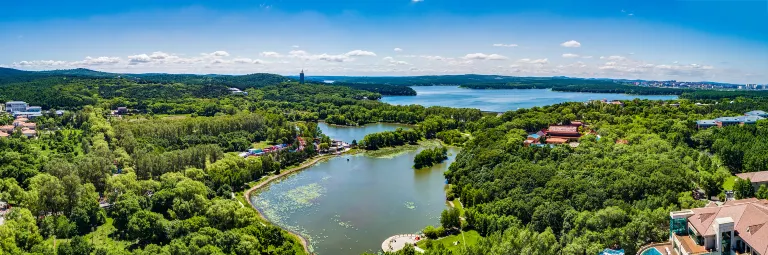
259,79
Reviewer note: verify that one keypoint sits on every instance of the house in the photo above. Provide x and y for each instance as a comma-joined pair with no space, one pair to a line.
727,121
736,227
16,106
34,109
757,113
750,119
8,129
236,91
757,178
29,133
121,110
702,124
569,133
30,115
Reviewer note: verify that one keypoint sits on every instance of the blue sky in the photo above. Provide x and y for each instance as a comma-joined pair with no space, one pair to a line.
684,40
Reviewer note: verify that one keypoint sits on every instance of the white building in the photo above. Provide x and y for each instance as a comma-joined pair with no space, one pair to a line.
16,106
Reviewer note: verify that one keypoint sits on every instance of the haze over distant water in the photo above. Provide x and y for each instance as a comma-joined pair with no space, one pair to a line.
501,100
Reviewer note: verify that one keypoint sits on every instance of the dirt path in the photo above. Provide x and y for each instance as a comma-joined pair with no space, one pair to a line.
265,182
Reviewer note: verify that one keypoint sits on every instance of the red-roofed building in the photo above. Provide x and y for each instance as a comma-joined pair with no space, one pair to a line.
738,226
571,131
757,178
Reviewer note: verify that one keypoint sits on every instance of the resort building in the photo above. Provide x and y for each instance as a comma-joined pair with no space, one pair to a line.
757,178
236,91
748,118
568,133
757,113
736,227
16,106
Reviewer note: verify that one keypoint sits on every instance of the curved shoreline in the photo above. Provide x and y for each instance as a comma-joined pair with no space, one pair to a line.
263,183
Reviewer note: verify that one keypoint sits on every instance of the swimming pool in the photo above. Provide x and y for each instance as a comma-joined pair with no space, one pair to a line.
651,251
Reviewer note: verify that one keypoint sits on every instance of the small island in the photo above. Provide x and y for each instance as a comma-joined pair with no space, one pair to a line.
430,157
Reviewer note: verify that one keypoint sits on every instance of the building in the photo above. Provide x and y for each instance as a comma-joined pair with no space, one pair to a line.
236,91
34,109
16,106
757,178
736,227
122,110
748,118
757,113
301,77
727,121
564,131
701,124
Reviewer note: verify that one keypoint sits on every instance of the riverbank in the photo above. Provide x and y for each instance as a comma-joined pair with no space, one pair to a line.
264,182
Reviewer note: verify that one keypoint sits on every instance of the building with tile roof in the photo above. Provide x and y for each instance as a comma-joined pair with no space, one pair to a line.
736,227
757,178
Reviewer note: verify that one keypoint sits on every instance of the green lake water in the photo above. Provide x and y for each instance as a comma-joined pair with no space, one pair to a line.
351,206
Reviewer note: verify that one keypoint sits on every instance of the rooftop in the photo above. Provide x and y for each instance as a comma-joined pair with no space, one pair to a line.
754,176
756,113
748,216
563,129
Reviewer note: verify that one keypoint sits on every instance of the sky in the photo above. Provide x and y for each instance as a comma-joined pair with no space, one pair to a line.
686,40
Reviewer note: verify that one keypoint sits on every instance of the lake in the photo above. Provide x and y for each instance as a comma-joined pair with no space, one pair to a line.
347,134
350,207
501,100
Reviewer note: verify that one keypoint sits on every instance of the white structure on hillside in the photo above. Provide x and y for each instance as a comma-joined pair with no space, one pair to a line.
16,106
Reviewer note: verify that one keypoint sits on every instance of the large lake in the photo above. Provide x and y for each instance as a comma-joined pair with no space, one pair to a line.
501,100
347,134
351,206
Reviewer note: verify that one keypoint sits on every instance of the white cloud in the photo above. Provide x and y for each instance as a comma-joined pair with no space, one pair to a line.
398,49
271,54
248,61
89,61
533,61
417,1
359,53
587,57
434,57
393,62
619,58
571,44
160,55
295,46
482,56
138,59
504,45
218,53
298,53
570,55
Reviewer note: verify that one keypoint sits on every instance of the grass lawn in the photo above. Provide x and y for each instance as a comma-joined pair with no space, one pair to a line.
469,238
458,206
729,181
101,239
260,145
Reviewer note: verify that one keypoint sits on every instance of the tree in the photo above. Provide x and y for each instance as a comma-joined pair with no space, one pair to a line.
77,246
762,193
449,218
743,188
146,227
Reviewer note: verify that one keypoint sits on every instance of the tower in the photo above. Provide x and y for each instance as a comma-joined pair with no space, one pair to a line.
301,77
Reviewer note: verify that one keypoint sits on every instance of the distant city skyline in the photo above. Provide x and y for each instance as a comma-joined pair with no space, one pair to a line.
719,41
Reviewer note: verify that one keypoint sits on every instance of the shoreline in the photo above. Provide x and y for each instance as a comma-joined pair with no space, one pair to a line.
265,182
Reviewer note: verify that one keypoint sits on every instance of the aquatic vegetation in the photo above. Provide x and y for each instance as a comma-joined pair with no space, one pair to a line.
410,205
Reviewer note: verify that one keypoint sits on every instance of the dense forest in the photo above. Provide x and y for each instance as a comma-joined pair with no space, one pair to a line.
161,179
